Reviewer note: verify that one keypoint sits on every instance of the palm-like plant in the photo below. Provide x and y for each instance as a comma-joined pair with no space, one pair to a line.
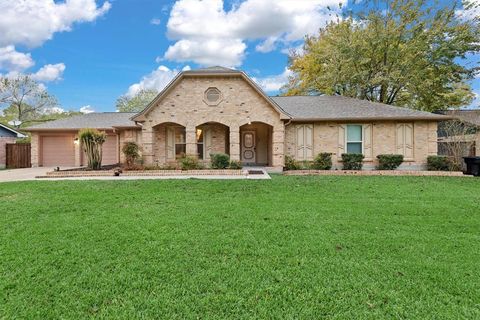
92,141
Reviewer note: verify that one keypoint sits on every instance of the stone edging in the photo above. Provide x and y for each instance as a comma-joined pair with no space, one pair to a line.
143,173
374,173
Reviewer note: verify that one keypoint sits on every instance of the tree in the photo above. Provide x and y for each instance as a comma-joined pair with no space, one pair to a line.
401,52
92,141
22,98
136,103
457,139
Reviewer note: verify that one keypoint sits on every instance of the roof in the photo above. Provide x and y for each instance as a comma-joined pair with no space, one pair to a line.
330,108
17,133
470,116
214,69
95,120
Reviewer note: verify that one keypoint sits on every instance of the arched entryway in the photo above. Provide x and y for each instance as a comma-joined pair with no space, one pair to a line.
170,142
256,144
211,138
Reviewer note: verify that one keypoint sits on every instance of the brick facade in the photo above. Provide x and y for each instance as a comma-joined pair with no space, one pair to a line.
3,149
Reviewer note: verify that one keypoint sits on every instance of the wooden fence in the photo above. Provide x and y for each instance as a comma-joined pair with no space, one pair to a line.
18,155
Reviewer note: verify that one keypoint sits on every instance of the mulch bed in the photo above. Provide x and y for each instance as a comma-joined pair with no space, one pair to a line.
144,173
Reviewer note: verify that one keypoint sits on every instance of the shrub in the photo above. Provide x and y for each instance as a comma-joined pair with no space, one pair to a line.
130,150
291,163
389,161
234,164
352,161
219,160
323,161
92,141
438,163
189,163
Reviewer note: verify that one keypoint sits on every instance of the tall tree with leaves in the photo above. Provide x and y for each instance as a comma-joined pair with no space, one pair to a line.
400,52
24,98
136,103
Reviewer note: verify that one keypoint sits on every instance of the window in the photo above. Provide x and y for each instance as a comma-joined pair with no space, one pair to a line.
213,96
200,144
180,142
354,138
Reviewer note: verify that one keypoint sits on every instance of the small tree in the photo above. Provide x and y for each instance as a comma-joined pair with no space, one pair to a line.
130,150
455,141
92,141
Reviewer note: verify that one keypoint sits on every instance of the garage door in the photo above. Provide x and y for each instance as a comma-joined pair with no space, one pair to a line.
58,151
110,150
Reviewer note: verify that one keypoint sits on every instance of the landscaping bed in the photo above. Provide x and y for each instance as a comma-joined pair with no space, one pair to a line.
143,173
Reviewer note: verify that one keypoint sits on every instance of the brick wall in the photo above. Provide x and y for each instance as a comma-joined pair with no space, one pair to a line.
3,149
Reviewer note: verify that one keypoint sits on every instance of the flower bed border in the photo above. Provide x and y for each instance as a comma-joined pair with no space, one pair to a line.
415,173
144,173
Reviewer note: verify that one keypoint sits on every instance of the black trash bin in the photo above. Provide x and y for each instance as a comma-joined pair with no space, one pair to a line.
473,165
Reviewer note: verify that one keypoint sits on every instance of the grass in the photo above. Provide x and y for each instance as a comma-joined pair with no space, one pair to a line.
292,247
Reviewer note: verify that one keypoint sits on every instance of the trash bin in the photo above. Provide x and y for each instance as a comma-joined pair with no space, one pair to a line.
473,165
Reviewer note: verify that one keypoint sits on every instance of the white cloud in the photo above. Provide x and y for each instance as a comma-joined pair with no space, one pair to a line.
203,28
12,60
53,110
87,109
275,82
32,22
157,80
155,21
49,72
470,13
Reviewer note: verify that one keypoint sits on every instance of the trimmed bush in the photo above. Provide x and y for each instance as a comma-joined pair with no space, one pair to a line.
389,161
219,160
130,150
291,163
352,161
323,161
235,165
438,163
189,163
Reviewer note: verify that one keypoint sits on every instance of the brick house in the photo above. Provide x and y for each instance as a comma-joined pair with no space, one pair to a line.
217,110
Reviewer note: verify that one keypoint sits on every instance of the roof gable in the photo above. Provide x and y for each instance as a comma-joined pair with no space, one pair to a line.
208,72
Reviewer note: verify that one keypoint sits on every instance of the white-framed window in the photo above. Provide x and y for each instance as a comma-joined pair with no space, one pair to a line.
354,138
180,142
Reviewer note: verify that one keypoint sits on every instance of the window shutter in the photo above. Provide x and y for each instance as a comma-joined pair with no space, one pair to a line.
170,143
341,140
367,141
408,141
308,140
300,144
404,140
207,142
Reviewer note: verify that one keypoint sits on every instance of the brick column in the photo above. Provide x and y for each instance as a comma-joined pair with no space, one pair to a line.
235,142
191,141
148,140
78,151
278,146
35,149
477,145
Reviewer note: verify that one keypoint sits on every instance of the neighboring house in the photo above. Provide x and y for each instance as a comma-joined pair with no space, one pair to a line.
468,133
217,110
7,135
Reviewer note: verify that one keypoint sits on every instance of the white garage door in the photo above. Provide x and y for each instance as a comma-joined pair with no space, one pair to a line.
58,151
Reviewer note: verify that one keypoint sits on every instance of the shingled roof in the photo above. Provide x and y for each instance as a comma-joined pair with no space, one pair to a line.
95,120
471,116
334,108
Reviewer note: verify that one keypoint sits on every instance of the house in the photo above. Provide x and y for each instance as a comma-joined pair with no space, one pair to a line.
7,135
216,109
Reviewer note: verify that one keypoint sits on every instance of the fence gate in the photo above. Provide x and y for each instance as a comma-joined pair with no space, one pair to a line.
18,155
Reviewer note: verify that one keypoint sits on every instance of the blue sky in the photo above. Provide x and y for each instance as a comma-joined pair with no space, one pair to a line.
88,53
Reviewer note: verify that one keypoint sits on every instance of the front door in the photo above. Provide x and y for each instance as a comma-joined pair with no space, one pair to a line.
248,147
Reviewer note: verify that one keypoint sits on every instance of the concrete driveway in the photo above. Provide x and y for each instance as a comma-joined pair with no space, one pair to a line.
22,174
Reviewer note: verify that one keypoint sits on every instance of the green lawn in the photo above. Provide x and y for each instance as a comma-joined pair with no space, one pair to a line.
291,247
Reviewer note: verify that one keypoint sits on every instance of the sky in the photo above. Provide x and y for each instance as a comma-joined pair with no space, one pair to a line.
87,53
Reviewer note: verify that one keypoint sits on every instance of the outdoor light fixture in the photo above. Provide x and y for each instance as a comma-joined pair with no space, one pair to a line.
75,141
